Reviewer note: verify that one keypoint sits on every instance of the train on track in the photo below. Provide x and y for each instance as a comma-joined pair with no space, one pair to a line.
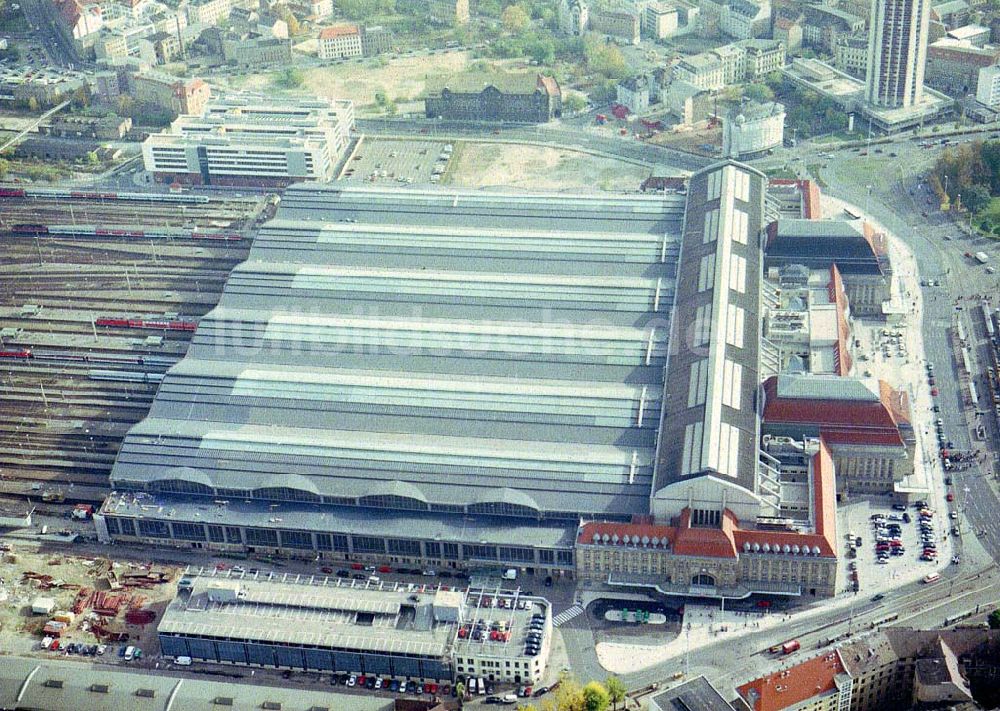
127,376
182,199
163,325
100,232
110,358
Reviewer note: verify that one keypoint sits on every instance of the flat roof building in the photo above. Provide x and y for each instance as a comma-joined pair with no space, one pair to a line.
335,625
250,140
57,684
697,694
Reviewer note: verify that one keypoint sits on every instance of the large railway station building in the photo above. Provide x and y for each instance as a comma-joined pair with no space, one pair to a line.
570,385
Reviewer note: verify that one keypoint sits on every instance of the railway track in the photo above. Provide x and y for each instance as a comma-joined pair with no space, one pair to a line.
58,425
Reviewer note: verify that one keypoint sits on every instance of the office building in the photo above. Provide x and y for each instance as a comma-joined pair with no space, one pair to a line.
249,140
659,20
897,52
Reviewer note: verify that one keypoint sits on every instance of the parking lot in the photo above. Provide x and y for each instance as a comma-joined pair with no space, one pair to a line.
397,161
899,544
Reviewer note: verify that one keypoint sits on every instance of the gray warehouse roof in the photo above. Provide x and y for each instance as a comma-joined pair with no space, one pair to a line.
458,349
54,684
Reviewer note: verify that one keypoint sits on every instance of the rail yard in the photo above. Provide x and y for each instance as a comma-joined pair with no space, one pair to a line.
99,295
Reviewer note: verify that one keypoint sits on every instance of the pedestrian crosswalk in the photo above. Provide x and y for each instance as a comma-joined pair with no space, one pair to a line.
567,615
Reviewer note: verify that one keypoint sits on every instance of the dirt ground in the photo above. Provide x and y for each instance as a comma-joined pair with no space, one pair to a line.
690,140
536,167
68,575
402,79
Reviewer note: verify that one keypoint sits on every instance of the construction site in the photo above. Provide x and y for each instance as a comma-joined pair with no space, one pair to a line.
100,294
79,605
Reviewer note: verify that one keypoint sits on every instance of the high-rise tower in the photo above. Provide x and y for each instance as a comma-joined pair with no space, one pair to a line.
897,52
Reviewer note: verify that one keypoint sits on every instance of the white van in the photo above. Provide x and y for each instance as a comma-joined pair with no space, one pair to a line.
183,661
129,653
510,574
481,686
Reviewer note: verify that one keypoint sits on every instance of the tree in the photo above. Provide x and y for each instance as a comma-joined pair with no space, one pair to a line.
290,78
515,19
541,50
595,696
616,690
32,104
605,59
574,102
92,158
994,620
569,695
4,167
759,92
976,197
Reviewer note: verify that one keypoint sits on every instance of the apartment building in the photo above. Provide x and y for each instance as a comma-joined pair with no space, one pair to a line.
704,71
181,96
897,53
340,42
988,86
375,40
209,12
850,54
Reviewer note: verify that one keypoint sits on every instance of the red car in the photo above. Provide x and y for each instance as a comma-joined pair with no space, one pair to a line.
326,570
384,569
934,392
362,680
357,566
950,497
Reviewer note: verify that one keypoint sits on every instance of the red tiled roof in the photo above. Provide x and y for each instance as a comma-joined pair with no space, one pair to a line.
788,688
839,421
589,530
339,31
706,542
896,401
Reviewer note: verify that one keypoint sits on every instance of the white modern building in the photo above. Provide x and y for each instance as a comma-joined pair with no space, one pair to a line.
988,87
753,129
897,52
659,20
250,140
340,42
